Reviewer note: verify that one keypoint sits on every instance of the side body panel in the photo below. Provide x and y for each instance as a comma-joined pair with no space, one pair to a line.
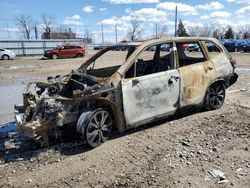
68,51
150,97
222,65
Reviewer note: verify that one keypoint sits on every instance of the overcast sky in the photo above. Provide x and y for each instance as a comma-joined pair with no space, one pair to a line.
79,14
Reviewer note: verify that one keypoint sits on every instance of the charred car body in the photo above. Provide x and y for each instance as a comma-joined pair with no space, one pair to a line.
145,86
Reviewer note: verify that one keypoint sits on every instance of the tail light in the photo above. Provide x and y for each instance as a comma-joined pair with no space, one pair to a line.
233,62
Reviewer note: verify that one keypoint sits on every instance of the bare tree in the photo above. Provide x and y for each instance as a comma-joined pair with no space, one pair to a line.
193,31
218,31
201,31
163,31
245,31
26,25
48,24
87,36
136,30
62,28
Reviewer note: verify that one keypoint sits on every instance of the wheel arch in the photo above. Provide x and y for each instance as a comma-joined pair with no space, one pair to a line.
111,107
5,55
55,53
100,103
80,53
217,81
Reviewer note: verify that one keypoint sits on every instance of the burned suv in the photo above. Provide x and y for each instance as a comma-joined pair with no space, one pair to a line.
126,89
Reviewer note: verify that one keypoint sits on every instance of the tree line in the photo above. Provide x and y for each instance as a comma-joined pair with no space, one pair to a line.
26,26
214,30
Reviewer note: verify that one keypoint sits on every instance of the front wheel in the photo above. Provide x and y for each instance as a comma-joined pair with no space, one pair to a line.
95,126
6,57
215,96
54,56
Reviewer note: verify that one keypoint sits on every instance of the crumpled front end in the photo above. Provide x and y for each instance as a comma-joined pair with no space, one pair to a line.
38,116
49,108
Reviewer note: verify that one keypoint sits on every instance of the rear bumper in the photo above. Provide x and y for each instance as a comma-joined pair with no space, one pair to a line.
231,79
12,55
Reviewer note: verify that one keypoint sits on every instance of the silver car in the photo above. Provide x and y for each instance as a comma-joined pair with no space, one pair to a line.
6,54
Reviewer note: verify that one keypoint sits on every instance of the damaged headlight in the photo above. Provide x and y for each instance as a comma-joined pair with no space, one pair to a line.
53,112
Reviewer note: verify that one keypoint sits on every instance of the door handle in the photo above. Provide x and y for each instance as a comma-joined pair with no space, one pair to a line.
172,79
135,82
176,78
209,68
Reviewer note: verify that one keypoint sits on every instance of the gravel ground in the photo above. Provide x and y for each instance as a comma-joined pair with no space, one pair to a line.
195,149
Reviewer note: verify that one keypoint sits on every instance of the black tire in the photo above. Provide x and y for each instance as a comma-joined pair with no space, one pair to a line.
215,96
79,55
5,57
54,56
95,126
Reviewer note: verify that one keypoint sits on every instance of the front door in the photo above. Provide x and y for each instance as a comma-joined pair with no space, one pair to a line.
153,92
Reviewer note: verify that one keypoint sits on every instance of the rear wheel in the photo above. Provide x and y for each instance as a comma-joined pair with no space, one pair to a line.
5,57
79,55
215,96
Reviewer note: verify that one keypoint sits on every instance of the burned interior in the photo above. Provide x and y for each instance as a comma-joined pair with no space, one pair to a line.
142,83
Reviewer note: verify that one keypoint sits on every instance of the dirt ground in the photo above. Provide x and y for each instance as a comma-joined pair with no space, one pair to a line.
195,149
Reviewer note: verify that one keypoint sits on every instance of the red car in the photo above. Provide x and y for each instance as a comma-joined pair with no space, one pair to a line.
66,50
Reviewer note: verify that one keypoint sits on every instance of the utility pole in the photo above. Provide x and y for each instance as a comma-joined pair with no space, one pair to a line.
115,34
36,34
175,34
102,34
156,31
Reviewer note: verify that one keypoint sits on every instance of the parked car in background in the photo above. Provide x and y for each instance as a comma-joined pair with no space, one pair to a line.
246,47
100,47
6,54
239,45
193,47
65,50
114,90
230,46
211,47
185,46
165,48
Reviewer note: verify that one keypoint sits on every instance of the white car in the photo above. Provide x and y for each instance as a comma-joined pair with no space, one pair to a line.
6,54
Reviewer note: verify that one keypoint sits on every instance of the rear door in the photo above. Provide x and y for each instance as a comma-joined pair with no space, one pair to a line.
196,73
151,92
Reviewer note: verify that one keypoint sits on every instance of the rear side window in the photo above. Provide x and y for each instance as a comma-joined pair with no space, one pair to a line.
69,47
190,53
213,49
